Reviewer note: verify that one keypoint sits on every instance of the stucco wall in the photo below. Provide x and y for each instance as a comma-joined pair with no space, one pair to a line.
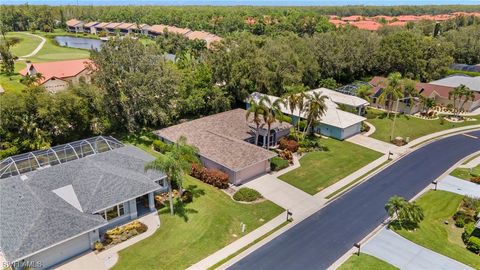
248,173
55,85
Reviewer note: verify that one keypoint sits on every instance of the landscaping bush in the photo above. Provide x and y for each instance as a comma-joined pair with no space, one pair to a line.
475,179
187,196
474,244
161,147
247,195
122,233
285,119
286,155
210,176
278,163
290,145
461,218
365,127
98,246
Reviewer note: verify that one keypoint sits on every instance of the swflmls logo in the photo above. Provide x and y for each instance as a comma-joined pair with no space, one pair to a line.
23,264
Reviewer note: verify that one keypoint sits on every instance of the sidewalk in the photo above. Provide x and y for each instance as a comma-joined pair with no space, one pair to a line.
374,144
404,254
471,164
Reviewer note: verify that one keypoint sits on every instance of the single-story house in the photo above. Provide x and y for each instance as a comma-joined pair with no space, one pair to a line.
140,29
101,27
59,75
75,25
202,35
336,123
429,90
160,29
111,28
125,28
57,203
226,142
456,80
90,27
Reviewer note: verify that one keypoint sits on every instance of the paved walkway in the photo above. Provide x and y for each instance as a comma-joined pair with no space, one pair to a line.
39,47
459,186
107,258
404,254
374,144
371,130
471,164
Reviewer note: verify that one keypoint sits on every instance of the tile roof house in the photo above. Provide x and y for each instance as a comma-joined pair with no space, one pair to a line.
456,80
53,212
335,123
202,35
75,25
367,25
225,142
90,27
59,75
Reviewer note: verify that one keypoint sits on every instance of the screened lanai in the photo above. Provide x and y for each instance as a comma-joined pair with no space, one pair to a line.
26,162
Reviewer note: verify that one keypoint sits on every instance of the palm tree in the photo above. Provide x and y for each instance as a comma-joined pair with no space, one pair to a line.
365,91
30,80
392,91
404,211
256,110
302,98
460,93
293,100
427,103
315,109
271,113
175,164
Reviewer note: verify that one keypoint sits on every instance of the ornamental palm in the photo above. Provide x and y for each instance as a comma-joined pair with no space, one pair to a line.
365,91
404,211
392,91
256,111
315,109
462,94
294,99
271,113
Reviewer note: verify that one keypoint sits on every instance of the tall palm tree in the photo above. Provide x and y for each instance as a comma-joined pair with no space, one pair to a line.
293,99
316,108
460,95
365,92
404,211
392,91
302,98
427,103
255,110
176,164
272,112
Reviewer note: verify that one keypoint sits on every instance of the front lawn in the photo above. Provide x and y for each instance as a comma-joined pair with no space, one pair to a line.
365,262
464,173
210,222
321,169
434,234
408,126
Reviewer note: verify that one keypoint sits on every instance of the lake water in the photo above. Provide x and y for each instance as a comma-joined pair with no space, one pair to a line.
79,43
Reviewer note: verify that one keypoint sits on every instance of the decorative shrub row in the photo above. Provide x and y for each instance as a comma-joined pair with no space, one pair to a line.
247,195
278,163
122,233
475,179
290,145
471,238
161,147
210,176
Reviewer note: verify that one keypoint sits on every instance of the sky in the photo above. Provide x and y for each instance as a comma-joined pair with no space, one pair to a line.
245,2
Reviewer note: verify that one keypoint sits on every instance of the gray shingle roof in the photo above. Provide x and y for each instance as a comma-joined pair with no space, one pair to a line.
33,217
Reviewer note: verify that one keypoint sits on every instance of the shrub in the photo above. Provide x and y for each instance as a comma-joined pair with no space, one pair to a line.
475,179
286,155
98,246
290,145
460,223
246,195
285,119
474,244
161,147
210,176
365,127
278,163
187,196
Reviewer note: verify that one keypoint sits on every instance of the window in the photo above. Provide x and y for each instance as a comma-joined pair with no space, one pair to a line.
112,212
121,211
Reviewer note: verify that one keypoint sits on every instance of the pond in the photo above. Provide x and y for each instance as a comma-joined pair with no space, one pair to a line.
79,43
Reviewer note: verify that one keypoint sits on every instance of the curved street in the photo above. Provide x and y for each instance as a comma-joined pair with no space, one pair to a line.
318,241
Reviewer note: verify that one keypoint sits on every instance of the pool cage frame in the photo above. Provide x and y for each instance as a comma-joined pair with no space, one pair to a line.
40,159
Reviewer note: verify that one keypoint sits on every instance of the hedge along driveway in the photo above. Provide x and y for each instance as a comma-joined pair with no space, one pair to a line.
321,169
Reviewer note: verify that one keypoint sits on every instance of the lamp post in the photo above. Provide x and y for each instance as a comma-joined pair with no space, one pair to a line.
396,111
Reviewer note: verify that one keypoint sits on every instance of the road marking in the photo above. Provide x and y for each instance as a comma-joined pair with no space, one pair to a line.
468,135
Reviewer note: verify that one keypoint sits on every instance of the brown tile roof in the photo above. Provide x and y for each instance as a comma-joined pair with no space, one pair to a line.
102,25
112,25
352,18
220,138
90,24
73,22
124,25
157,28
408,18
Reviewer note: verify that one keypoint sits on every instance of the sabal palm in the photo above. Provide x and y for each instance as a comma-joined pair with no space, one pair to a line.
256,111
271,113
365,92
316,108
392,91
403,210
462,94
293,100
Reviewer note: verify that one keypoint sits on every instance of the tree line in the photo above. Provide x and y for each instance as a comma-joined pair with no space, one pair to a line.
216,19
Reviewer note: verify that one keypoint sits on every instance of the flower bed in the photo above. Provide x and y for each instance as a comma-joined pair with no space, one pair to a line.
210,176
120,234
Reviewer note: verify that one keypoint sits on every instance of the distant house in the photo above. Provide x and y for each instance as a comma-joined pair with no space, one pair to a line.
58,76
125,28
75,25
456,80
101,27
111,28
90,27
140,28
226,142
160,29
56,203
335,123
202,35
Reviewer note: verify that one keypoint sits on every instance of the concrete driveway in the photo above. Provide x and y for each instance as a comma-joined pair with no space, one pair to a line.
374,144
459,186
404,254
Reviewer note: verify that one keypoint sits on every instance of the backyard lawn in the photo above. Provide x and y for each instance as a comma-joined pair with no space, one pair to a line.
434,234
202,227
408,126
464,173
321,169
365,262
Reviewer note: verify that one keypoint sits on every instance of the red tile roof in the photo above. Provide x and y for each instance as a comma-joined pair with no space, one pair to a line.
379,17
408,18
367,25
352,18
59,69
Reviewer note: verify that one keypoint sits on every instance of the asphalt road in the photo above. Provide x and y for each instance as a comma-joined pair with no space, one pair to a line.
318,241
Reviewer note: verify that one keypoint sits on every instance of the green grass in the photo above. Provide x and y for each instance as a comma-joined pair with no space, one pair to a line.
52,52
231,256
464,173
408,126
12,83
210,222
321,169
434,234
469,73
26,45
344,188
365,262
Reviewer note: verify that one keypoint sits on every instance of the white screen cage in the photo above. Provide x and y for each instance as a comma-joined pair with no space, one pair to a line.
27,162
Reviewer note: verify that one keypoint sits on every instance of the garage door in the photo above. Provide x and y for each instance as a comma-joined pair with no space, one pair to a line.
252,171
62,252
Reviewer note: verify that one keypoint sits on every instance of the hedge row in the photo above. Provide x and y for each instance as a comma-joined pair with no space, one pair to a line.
277,164
210,176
